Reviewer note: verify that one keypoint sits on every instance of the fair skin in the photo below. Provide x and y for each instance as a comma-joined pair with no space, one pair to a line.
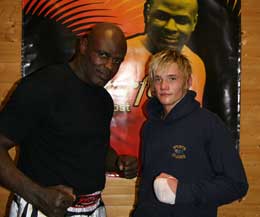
170,86
172,181
170,24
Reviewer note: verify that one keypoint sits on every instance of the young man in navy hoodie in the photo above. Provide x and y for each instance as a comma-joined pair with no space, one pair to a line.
190,165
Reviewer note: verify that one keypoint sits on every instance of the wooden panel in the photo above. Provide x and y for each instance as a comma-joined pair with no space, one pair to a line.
4,194
9,52
4,89
3,201
9,72
119,192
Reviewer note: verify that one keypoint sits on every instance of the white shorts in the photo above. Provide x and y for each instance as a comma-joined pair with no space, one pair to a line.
90,205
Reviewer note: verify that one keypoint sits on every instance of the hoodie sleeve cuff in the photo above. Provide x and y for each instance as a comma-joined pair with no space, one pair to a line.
184,194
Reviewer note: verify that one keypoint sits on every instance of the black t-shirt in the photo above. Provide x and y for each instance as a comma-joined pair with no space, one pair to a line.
62,126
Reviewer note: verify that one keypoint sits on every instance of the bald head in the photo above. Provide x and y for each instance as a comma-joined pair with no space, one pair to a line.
109,32
100,54
149,3
108,35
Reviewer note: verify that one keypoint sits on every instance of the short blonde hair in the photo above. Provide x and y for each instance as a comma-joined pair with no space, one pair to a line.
164,58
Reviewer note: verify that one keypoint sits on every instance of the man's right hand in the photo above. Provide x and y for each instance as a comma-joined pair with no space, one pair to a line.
52,201
55,200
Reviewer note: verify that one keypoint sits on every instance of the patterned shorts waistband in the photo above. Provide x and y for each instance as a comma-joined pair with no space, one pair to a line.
86,203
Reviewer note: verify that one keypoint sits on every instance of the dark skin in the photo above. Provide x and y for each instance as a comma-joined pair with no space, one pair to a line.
96,62
169,23
52,201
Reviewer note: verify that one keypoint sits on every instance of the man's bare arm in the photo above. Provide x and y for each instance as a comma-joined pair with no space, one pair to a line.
52,201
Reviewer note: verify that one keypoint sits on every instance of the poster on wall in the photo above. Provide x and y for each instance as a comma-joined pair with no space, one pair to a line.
206,31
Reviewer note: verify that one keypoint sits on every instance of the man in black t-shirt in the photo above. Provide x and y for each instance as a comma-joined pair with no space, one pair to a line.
60,117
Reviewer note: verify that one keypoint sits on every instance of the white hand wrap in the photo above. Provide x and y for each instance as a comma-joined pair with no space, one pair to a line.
163,191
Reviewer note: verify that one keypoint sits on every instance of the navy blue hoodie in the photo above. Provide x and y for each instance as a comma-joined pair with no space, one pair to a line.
193,145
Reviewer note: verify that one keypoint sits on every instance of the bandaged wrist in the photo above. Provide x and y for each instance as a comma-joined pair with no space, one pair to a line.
163,191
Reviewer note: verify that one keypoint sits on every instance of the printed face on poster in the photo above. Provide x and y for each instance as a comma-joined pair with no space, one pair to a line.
207,32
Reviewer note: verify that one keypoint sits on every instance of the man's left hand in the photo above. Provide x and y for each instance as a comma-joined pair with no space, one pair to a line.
128,166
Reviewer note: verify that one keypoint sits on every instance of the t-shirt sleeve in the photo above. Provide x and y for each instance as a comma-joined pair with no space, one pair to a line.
23,110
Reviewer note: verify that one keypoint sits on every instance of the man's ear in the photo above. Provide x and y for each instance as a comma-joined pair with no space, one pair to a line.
189,82
83,44
195,20
147,9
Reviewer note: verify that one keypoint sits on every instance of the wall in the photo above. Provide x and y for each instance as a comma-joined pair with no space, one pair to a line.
119,194
10,58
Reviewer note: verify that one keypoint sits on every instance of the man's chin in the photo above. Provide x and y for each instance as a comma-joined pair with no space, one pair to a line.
101,83
98,83
163,46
